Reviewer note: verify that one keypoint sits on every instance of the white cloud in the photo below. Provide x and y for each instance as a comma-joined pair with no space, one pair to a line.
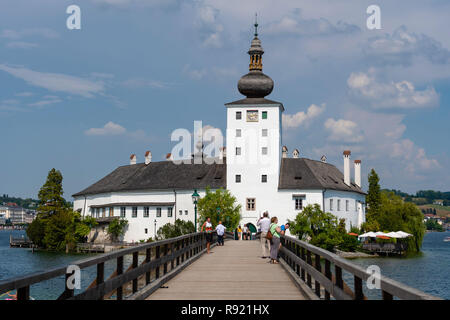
47,100
144,83
30,32
21,45
108,129
56,81
302,118
392,94
344,131
402,46
210,29
414,157
137,3
295,24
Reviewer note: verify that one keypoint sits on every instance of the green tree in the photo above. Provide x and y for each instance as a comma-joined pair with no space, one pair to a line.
36,232
57,226
180,227
319,227
396,215
373,197
219,205
83,227
50,195
116,228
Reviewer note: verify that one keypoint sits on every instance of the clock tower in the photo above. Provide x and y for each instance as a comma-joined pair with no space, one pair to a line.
254,140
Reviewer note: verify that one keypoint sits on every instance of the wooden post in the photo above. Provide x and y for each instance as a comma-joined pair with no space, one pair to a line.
359,295
100,274
119,272
302,251
158,248
318,268
166,247
178,250
23,293
148,254
135,265
387,296
309,261
328,275
338,273
172,261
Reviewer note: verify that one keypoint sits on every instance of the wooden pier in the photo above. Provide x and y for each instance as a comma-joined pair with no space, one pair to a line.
20,242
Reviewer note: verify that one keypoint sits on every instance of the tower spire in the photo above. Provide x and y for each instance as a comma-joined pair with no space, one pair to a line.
256,24
255,84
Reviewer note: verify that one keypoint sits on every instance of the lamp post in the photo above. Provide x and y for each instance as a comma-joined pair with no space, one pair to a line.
218,214
195,197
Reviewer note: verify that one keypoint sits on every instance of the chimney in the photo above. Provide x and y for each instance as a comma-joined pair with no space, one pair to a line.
358,173
284,151
323,159
295,153
148,157
133,159
347,154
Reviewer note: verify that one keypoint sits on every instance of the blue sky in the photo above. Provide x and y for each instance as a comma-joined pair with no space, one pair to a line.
83,100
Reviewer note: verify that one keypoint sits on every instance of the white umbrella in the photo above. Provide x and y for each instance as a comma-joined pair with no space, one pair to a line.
404,234
394,235
368,235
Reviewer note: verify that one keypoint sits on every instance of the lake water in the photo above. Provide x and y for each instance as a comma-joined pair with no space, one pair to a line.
428,271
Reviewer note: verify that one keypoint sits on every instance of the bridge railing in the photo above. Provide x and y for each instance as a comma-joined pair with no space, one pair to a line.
310,263
160,261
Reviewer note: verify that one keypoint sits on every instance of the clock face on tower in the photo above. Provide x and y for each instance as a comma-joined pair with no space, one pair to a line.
252,115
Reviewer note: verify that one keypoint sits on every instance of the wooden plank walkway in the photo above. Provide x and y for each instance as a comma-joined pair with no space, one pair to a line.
232,272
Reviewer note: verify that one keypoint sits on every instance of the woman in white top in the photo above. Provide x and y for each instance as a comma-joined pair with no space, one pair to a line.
209,229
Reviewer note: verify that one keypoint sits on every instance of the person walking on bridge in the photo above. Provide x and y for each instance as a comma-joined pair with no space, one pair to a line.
208,227
275,230
220,229
264,224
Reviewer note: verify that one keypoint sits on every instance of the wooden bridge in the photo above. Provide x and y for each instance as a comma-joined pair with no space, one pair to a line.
178,268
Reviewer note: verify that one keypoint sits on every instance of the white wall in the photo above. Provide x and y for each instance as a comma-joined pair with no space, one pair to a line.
350,216
136,226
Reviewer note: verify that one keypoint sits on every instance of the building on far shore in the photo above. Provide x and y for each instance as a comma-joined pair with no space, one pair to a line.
255,167
16,215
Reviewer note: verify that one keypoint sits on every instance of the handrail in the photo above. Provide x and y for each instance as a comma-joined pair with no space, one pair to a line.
298,255
182,250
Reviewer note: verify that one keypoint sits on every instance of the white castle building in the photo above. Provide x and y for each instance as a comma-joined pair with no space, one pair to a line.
255,168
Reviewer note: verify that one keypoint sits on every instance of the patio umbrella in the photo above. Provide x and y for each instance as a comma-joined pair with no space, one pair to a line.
394,235
353,234
404,234
368,235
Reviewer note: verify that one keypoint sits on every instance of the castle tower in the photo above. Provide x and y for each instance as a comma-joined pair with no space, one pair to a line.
254,138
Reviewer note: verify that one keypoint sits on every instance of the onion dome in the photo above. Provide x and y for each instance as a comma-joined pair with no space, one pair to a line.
255,84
